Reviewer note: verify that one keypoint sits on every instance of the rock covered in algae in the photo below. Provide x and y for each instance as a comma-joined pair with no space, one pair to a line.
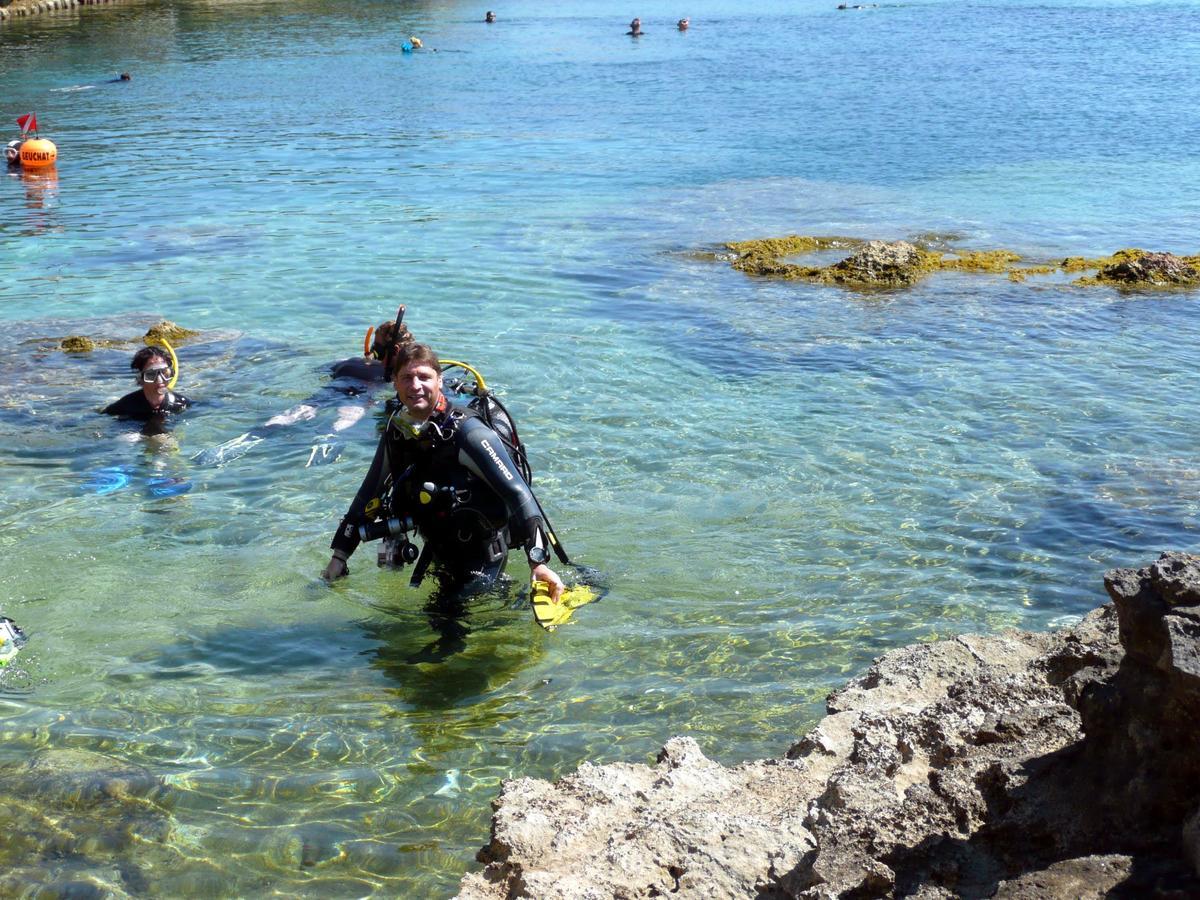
169,331
77,343
1149,270
881,264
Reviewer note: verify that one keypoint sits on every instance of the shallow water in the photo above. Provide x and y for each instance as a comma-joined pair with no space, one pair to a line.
780,481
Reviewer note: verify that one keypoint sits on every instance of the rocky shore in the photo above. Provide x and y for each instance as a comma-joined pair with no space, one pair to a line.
1022,765
15,9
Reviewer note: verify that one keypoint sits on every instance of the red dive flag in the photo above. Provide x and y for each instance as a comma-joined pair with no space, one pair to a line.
27,123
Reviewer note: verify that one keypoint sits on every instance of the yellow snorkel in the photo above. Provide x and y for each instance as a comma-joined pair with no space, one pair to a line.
166,345
481,387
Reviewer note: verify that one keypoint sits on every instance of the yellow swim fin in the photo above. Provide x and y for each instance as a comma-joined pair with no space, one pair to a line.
549,614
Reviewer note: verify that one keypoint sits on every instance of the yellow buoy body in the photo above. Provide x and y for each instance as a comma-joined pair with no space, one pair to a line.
38,153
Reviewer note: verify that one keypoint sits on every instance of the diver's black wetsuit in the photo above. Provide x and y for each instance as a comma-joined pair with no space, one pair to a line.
360,368
134,405
480,504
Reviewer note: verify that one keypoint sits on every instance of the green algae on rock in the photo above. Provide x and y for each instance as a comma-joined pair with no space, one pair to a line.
169,331
77,343
764,256
879,264
1148,270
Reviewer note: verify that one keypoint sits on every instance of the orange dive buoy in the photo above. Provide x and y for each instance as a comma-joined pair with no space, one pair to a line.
38,153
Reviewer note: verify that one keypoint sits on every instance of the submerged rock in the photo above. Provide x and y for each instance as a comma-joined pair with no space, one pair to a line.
72,821
1021,765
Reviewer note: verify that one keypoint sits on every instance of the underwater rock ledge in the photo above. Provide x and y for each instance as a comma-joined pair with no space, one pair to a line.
896,264
1019,765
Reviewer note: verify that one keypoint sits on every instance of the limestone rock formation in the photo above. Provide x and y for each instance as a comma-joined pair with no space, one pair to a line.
1019,766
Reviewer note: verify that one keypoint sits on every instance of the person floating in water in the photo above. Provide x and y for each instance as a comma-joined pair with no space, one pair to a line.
12,153
683,24
635,28
448,475
154,399
353,377
490,17
124,76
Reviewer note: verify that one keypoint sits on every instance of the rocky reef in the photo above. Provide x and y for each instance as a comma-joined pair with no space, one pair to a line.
896,264
164,330
1021,765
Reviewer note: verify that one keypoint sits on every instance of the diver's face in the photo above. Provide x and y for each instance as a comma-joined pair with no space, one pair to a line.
154,378
419,387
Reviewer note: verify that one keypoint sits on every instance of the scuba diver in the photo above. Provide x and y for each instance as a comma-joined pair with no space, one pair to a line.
157,373
12,153
350,378
444,471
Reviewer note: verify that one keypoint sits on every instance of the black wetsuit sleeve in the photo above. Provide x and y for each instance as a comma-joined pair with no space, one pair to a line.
346,540
132,406
484,454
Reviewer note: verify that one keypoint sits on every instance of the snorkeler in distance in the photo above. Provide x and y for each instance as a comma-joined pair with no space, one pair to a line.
12,153
490,18
442,471
124,76
635,28
156,375
358,375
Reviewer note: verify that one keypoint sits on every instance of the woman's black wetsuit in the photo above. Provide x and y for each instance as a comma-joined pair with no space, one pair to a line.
479,503
134,405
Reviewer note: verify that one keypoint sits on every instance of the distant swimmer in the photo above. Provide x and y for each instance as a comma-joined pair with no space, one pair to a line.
490,17
124,76
682,24
635,28
156,373
12,153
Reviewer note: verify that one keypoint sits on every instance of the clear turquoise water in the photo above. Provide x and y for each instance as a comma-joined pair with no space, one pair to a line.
781,481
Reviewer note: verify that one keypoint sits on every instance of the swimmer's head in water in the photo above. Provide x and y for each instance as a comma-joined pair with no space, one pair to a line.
388,341
683,24
154,374
490,17
125,76
12,152
149,356
635,25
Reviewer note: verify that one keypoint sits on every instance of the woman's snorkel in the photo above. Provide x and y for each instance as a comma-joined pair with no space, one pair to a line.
166,345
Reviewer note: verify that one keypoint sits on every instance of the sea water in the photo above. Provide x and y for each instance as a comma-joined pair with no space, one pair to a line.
779,481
